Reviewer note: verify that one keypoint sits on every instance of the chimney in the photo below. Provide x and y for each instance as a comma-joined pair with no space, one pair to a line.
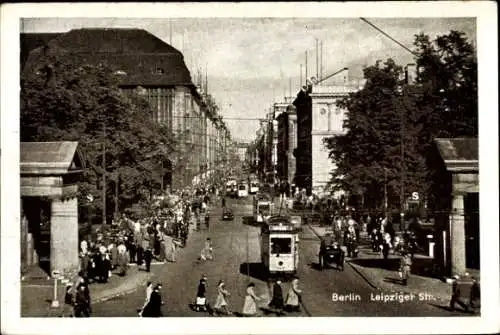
345,76
410,74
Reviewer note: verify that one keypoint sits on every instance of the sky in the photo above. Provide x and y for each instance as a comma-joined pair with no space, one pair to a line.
251,62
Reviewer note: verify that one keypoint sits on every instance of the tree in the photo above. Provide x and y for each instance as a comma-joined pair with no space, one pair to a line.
73,102
388,112
371,149
448,74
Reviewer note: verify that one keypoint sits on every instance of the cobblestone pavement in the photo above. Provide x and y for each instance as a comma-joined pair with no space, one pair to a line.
237,257
383,274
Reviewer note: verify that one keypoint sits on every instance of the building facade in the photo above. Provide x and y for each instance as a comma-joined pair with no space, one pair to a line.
318,117
156,71
286,142
327,121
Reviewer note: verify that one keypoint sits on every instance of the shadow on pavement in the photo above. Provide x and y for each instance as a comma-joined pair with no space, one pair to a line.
248,220
255,270
267,311
314,266
393,280
388,264
421,266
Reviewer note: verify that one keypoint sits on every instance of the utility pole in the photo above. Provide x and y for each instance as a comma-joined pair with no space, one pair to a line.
161,176
182,42
170,21
403,172
290,87
306,67
317,60
300,76
117,181
104,174
321,61
206,78
385,192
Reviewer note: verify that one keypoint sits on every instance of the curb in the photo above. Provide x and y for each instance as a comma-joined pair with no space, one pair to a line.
370,282
359,272
122,293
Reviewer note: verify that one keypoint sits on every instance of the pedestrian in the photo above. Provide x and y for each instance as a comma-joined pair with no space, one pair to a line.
169,248
207,251
386,246
293,296
277,302
148,257
221,305
113,252
82,301
223,202
207,219
149,289
201,300
122,260
250,304
153,307
475,294
405,267
69,304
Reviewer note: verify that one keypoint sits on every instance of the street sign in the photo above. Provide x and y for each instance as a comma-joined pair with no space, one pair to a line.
415,196
55,273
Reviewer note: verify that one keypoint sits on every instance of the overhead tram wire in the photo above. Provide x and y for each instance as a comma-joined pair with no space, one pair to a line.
389,37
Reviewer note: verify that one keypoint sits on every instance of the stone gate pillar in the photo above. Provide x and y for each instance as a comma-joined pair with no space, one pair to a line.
64,235
457,235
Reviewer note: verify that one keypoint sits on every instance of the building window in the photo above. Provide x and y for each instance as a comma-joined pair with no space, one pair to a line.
160,71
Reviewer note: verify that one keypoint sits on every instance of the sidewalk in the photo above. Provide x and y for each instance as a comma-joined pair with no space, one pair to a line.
37,294
383,274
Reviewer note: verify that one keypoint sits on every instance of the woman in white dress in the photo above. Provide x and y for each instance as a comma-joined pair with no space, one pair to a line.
250,304
293,298
221,305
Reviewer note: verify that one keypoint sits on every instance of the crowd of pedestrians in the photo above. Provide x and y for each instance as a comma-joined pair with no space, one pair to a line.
139,241
221,307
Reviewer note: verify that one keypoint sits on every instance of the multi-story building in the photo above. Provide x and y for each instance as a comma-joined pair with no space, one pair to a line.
287,143
327,121
318,117
303,154
147,66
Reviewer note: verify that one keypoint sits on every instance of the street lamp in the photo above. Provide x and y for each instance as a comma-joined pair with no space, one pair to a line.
90,200
400,91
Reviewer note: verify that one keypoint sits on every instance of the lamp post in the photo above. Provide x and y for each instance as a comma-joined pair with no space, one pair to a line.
104,175
385,192
401,91
90,200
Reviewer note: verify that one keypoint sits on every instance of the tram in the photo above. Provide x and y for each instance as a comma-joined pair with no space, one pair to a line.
280,246
262,208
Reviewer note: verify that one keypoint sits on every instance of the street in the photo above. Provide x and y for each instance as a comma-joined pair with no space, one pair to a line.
237,254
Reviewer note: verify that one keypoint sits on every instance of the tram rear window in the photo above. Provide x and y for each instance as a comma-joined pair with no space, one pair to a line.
281,245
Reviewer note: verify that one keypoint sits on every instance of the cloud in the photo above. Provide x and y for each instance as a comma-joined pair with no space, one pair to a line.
251,60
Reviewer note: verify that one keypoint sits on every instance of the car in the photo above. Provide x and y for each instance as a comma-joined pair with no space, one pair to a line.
227,214
331,253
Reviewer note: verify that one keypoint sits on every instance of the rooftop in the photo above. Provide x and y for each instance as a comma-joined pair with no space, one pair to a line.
140,57
459,153
50,158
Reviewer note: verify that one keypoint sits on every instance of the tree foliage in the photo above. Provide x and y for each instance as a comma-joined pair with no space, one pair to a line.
61,101
387,113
